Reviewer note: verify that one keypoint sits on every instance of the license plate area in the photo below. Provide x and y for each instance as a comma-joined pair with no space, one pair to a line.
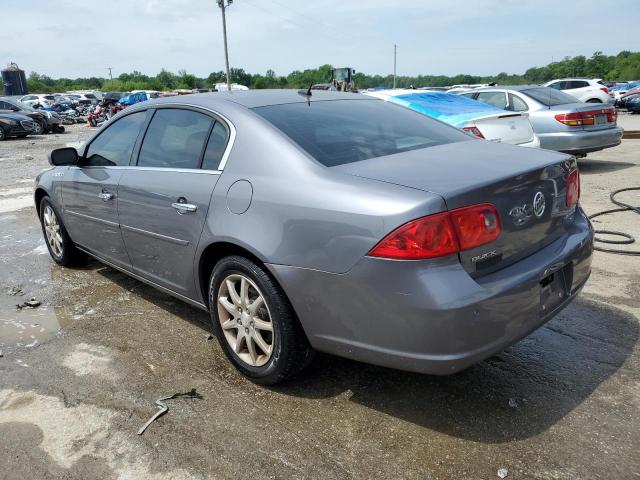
555,288
601,119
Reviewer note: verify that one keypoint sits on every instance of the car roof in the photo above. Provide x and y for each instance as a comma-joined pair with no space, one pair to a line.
257,98
517,88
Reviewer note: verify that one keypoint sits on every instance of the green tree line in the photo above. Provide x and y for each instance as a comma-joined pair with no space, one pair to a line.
621,67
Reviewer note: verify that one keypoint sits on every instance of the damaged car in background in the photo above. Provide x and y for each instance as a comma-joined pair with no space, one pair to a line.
15,125
476,118
434,249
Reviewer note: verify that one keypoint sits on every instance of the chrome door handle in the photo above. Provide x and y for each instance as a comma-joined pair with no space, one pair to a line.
184,207
106,196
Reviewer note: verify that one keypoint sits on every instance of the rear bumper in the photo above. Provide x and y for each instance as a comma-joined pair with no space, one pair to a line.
581,141
431,316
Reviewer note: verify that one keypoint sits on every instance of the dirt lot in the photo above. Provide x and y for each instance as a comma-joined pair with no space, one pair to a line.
80,374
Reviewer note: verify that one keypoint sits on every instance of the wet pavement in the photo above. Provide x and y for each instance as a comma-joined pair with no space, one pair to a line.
79,376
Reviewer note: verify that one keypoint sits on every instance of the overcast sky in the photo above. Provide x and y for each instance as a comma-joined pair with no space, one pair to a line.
72,38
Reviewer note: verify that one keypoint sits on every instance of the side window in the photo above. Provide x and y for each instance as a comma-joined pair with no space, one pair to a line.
468,95
517,104
497,99
215,147
573,84
4,106
557,85
175,139
113,147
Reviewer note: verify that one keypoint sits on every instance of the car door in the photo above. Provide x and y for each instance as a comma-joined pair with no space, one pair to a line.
90,189
164,199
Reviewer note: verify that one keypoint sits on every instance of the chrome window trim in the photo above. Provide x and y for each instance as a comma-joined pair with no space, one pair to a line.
229,124
157,169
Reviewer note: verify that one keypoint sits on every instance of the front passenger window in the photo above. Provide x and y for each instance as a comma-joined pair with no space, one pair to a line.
114,145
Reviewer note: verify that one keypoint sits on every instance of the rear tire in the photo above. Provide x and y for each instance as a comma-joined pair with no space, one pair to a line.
59,244
265,343
3,135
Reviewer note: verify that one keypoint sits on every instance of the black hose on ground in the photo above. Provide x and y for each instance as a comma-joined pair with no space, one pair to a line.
626,238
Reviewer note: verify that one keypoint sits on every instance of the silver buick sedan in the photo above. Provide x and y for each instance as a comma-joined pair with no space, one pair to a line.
324,221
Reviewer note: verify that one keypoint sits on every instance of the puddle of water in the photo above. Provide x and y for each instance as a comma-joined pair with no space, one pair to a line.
27,327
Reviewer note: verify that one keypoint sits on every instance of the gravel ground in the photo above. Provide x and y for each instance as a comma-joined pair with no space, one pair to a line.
80,374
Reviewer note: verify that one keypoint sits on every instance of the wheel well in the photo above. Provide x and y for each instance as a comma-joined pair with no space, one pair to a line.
40,193
594,100
212,255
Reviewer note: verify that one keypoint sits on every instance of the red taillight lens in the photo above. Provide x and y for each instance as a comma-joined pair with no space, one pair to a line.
573,188
426,237
473,131
441,234
604,89
476,225
578,119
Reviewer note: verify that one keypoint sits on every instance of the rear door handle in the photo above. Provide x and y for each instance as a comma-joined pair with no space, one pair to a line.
184,207
106,196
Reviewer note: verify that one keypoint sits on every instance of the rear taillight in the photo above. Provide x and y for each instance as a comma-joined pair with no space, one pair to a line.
604,89
475,225
473,131
578,119
573,188
441,234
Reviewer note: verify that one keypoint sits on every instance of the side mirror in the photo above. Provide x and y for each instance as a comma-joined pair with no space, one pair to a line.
64,156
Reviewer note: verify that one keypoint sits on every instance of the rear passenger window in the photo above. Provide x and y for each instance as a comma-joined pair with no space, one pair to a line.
114,145
517,104
215,147
175,139
497,99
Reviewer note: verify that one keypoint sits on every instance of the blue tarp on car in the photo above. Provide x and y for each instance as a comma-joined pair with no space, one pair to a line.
452,109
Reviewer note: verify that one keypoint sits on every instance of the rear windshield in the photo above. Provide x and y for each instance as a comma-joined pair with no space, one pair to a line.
345,131
549,96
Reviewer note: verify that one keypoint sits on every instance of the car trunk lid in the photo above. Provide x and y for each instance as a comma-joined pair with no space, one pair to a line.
513,128
527,186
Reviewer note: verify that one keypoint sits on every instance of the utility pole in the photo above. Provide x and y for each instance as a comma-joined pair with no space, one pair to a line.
224,33
395,54
110,76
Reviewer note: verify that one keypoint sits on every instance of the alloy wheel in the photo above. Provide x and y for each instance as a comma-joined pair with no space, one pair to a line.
245,320
52,231
38,128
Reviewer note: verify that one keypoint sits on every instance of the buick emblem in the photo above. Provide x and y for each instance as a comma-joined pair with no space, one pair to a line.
539,204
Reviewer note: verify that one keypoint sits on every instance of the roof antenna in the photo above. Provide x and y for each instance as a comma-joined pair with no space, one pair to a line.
306,93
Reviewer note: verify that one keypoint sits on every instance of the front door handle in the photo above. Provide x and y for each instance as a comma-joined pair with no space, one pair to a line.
184,207
106,196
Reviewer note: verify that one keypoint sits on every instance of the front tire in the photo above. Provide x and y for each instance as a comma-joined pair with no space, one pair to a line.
38,128
59,244
255,323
